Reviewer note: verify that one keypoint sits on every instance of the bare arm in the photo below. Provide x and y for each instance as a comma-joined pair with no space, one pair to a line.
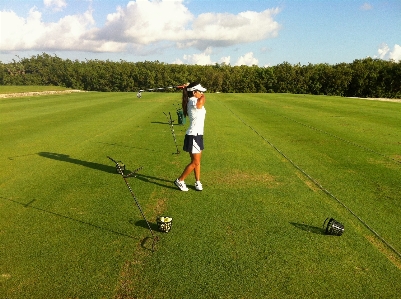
201,102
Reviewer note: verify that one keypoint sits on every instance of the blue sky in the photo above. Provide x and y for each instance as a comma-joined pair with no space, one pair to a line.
261,32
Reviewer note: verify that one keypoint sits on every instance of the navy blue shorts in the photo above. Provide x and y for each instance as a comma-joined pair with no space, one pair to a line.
193,144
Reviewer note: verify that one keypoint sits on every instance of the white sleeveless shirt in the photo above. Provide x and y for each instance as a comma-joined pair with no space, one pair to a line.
196,117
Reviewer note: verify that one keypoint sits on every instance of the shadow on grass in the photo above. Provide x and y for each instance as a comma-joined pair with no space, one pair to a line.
20,156
142,223
166,123
160,123
148,242
68,159
155,180
309,228
106,168
29,205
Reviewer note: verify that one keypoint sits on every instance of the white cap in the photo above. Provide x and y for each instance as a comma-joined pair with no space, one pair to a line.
196,87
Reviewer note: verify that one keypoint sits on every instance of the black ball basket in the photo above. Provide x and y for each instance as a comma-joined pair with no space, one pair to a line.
333,227
120,167
164,223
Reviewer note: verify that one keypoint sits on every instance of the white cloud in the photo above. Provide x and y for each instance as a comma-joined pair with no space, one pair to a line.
224,29
33,34
144,22
366,6
386,53
201,58
178,61
56,5
396,53
225,60
247,59
141,26
383,50
10,20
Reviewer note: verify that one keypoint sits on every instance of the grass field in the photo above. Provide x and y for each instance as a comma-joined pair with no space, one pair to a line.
69,227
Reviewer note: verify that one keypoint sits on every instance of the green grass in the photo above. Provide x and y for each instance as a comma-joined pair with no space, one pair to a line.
70,228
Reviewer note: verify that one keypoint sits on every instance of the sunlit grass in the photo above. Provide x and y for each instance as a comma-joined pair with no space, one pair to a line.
70,227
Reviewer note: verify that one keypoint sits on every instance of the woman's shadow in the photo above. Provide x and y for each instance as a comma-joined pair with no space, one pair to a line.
106,168
155,180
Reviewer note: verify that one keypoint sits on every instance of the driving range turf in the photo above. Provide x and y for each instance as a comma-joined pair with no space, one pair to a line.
275,166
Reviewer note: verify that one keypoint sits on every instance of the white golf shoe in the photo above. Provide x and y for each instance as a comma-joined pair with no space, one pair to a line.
198,186
181,185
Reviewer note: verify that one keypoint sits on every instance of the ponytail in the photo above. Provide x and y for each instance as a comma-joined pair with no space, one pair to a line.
185,101
186,95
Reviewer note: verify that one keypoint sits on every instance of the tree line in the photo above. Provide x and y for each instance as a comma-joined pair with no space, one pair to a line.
362,78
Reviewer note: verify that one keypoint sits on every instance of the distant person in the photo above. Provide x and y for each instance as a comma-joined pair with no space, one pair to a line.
139,95
193,106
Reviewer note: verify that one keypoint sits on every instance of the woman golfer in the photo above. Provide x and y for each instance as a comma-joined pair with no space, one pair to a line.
193,106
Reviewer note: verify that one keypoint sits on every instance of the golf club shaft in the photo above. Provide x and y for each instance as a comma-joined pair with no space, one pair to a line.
172,130
133,195
112,160
133,173
137,204
170,121
140,209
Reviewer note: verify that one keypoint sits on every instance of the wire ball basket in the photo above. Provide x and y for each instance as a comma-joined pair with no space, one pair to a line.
164,223
333,227
120,167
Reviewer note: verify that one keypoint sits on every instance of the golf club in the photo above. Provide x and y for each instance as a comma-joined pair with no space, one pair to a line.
170,122
121,171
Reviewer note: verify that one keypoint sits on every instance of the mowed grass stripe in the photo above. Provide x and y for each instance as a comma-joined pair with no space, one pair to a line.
375,118
63,201
365,181
68,114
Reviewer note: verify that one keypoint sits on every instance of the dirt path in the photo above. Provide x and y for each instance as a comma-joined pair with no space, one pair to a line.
378,99
36,93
